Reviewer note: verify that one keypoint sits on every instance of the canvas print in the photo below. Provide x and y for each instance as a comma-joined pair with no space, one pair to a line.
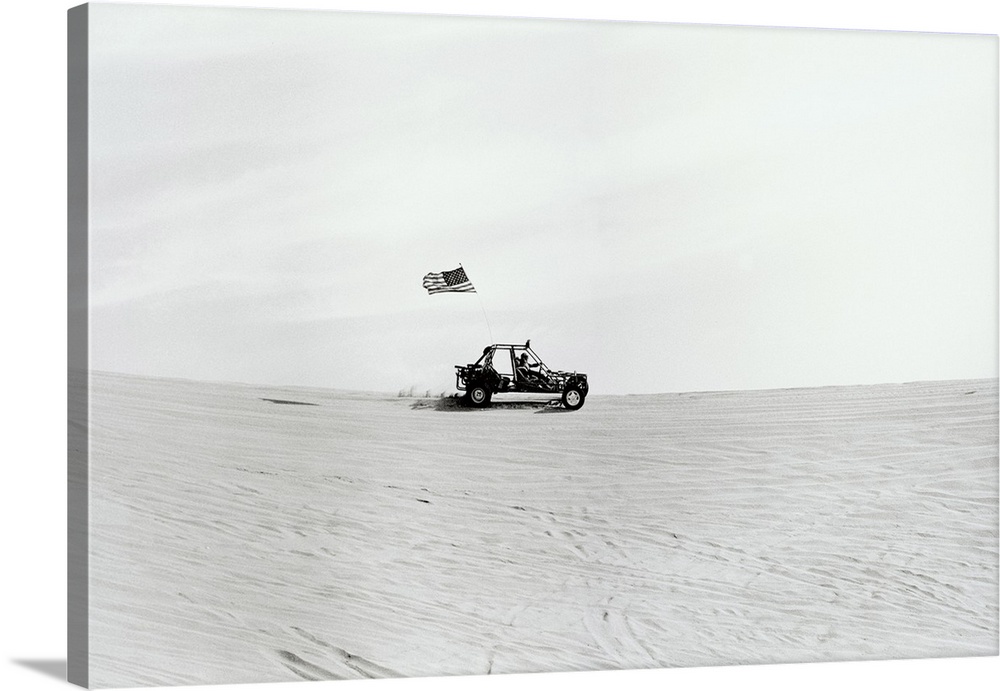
411,345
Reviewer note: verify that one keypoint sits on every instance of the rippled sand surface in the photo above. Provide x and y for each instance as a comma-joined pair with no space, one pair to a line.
237,535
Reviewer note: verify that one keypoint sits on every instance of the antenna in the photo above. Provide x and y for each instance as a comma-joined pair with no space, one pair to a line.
482,306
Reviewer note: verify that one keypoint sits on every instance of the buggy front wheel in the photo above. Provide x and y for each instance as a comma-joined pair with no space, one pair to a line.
573,397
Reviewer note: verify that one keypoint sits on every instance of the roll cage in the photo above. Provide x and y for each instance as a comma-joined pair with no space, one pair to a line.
504,357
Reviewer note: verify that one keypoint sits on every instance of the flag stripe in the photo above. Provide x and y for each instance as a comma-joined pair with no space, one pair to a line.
464,289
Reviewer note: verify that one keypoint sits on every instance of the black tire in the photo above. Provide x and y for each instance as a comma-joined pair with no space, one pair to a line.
478,396
573,397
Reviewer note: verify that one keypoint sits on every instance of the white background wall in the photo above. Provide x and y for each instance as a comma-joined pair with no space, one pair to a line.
32,165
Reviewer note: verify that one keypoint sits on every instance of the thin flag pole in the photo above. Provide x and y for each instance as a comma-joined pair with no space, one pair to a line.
488,328
483,307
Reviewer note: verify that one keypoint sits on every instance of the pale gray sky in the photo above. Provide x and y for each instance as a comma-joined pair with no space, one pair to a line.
665,207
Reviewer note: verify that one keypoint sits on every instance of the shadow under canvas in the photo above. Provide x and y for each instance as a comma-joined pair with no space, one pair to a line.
50,668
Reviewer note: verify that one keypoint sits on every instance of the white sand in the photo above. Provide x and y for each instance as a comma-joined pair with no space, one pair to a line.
235,539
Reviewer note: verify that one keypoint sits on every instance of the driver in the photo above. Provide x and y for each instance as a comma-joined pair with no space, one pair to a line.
530,371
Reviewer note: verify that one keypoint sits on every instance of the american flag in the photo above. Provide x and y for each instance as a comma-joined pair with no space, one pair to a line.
454,281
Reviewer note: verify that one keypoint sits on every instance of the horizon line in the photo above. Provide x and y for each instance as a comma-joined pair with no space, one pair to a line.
445,393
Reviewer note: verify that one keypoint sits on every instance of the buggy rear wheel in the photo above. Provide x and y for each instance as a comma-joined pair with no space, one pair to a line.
478,396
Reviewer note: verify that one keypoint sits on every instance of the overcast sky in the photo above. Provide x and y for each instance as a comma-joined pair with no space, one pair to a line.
667,208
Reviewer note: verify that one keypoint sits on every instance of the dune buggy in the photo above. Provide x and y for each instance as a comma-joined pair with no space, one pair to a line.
508,368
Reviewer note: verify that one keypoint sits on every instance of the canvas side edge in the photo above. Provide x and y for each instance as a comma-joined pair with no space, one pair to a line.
78,413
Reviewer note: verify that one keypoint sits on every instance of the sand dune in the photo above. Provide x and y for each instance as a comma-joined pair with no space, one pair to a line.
237,536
